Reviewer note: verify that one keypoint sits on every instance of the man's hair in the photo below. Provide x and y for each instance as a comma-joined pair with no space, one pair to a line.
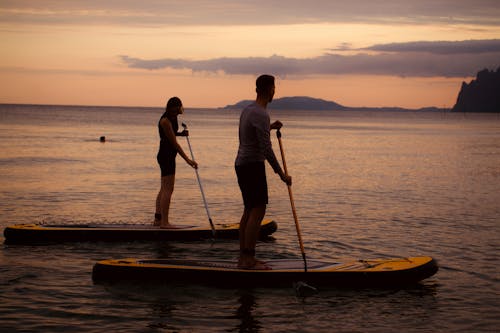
172,103
264,82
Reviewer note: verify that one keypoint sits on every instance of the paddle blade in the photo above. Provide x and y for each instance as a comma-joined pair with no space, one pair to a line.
302,289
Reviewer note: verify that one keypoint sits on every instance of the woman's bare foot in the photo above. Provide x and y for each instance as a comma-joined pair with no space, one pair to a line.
170,226
157,220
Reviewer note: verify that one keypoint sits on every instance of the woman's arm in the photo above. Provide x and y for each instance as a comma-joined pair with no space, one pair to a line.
170,135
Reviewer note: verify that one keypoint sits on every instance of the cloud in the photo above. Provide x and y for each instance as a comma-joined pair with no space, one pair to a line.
442,47
422,59
244,12
59,71
251,65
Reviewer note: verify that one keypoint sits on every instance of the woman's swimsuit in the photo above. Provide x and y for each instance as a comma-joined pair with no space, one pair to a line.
167,152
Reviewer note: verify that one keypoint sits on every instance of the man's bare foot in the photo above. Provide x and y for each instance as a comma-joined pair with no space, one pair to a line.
252,263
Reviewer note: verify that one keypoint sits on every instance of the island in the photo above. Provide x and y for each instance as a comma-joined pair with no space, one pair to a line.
308,103
294,103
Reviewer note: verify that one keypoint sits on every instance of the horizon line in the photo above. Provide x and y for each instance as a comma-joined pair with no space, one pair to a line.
224,107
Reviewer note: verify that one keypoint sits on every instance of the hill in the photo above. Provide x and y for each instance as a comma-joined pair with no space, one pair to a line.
309,103
293,103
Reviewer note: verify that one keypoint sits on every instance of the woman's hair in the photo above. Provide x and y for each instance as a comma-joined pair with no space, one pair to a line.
173,103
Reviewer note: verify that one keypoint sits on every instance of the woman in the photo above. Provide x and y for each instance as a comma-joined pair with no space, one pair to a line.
169,147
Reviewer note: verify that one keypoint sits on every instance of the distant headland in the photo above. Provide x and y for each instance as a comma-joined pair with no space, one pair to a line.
308,103
294,103
481,94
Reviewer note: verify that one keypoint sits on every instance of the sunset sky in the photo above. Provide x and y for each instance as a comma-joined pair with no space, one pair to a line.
209,52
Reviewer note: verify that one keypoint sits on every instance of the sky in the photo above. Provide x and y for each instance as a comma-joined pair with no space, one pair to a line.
209,52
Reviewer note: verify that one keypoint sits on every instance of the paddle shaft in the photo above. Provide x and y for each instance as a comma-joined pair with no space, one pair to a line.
199,183
297,227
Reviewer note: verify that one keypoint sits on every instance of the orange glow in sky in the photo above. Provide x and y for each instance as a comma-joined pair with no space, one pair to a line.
128,54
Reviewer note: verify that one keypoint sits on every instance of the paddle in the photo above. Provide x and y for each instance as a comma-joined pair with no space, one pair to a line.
199,183
297,227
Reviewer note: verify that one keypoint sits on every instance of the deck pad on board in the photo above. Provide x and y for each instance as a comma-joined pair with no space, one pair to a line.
275,265
374,272
40,233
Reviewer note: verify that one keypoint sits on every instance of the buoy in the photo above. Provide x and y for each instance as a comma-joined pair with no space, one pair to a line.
102,139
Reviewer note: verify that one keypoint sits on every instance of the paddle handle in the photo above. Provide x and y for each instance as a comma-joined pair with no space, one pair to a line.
292,202
199,183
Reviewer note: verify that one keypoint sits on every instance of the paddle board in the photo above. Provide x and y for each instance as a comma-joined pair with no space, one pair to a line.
40,233
388,272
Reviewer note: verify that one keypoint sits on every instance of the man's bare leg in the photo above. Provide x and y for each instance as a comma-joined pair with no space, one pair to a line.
249,237
243,226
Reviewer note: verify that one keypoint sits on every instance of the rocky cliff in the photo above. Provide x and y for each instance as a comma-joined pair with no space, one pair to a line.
481,94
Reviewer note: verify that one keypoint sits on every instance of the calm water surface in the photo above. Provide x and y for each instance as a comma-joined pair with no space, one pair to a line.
365,184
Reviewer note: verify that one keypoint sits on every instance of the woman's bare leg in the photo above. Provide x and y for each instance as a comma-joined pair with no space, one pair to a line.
167,188
157,220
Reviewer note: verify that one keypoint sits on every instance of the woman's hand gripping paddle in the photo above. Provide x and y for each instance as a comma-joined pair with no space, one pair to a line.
199,183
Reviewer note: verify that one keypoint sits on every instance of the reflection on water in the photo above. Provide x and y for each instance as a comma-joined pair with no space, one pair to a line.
256,310
365,185
244,313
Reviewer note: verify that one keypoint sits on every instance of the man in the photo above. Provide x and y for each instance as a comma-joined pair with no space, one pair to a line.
255,147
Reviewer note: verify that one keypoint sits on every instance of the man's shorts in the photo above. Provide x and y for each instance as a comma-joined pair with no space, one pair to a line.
253,184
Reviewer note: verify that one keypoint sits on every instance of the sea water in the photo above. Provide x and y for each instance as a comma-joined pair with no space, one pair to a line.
365,184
